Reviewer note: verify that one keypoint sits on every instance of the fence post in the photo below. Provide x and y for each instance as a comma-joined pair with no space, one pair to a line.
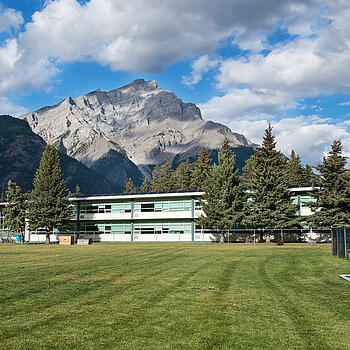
282,236
254,236
345,255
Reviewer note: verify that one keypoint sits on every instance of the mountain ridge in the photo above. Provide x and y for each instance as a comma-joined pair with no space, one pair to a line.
139,121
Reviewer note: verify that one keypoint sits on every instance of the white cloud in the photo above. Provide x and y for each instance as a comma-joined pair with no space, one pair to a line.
134,35
347,103
310,137
9,19
200,66
9,108
308,66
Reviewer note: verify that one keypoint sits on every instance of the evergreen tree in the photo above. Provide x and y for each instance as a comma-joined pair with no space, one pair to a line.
201,170
269,205
49,205
146,186
182,176
2,197
333,197
309,177
129,187
155,178
77,191
294,172
166,177
15,211
224,196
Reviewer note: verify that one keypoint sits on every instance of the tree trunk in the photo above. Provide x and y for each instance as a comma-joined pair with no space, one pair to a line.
222,237
22,238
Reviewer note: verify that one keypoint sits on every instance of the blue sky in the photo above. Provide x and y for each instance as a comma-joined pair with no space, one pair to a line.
244,63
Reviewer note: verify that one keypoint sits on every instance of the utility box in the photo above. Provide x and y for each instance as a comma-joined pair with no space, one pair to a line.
83,241
66,240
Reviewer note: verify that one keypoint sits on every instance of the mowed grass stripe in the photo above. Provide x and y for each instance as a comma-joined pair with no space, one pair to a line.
173,296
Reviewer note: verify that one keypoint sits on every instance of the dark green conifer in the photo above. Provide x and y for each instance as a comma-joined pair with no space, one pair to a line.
166,177
129,187
16,209
269,205
49,205
224,196
201,170
155,178
182,176
309,177
333,196
146,186
294,172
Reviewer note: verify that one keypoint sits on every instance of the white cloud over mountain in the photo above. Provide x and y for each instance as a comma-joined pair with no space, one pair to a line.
134,35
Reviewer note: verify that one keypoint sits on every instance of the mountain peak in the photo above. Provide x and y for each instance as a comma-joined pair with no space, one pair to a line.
140,119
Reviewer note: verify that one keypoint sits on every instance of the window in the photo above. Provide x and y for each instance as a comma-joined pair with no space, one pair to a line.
147,207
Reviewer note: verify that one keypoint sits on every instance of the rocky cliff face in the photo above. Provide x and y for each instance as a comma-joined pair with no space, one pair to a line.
20,155
138,123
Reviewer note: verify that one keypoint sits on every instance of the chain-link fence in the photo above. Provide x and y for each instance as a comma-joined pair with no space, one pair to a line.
265,235
199,236
7,236
340,241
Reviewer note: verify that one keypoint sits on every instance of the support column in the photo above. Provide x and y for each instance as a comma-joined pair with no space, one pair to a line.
193,227
132,220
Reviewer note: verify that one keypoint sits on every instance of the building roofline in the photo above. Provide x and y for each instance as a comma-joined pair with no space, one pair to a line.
138,195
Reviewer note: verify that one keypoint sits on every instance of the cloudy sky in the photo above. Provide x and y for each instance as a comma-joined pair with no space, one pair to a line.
243,62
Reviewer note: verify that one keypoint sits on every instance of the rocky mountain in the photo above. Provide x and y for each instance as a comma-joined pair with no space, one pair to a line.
20,155
137,124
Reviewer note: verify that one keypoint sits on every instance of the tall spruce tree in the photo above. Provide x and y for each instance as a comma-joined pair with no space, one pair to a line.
129,187
146,186
224,196
49,205
201,170
155,178
333,197
165,178
16,209
309,177
182,176
294,171
269,205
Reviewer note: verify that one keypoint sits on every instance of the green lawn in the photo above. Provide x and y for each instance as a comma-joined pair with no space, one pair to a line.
173,296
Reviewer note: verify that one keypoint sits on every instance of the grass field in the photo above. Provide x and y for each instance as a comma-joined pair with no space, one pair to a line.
173,296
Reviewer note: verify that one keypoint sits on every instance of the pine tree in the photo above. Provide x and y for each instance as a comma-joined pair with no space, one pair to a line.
49,205
165,179
146,186
333,197
182,176
224,196
155,178
309,177
269,205
294,172
15,211
129,187
201,170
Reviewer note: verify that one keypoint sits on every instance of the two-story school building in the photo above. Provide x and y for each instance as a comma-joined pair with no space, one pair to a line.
147,217
139,217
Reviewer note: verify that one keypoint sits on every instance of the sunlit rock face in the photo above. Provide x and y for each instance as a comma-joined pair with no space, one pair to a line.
139,121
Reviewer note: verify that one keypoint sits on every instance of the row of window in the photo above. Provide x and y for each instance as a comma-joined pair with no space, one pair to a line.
155,206
139,228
